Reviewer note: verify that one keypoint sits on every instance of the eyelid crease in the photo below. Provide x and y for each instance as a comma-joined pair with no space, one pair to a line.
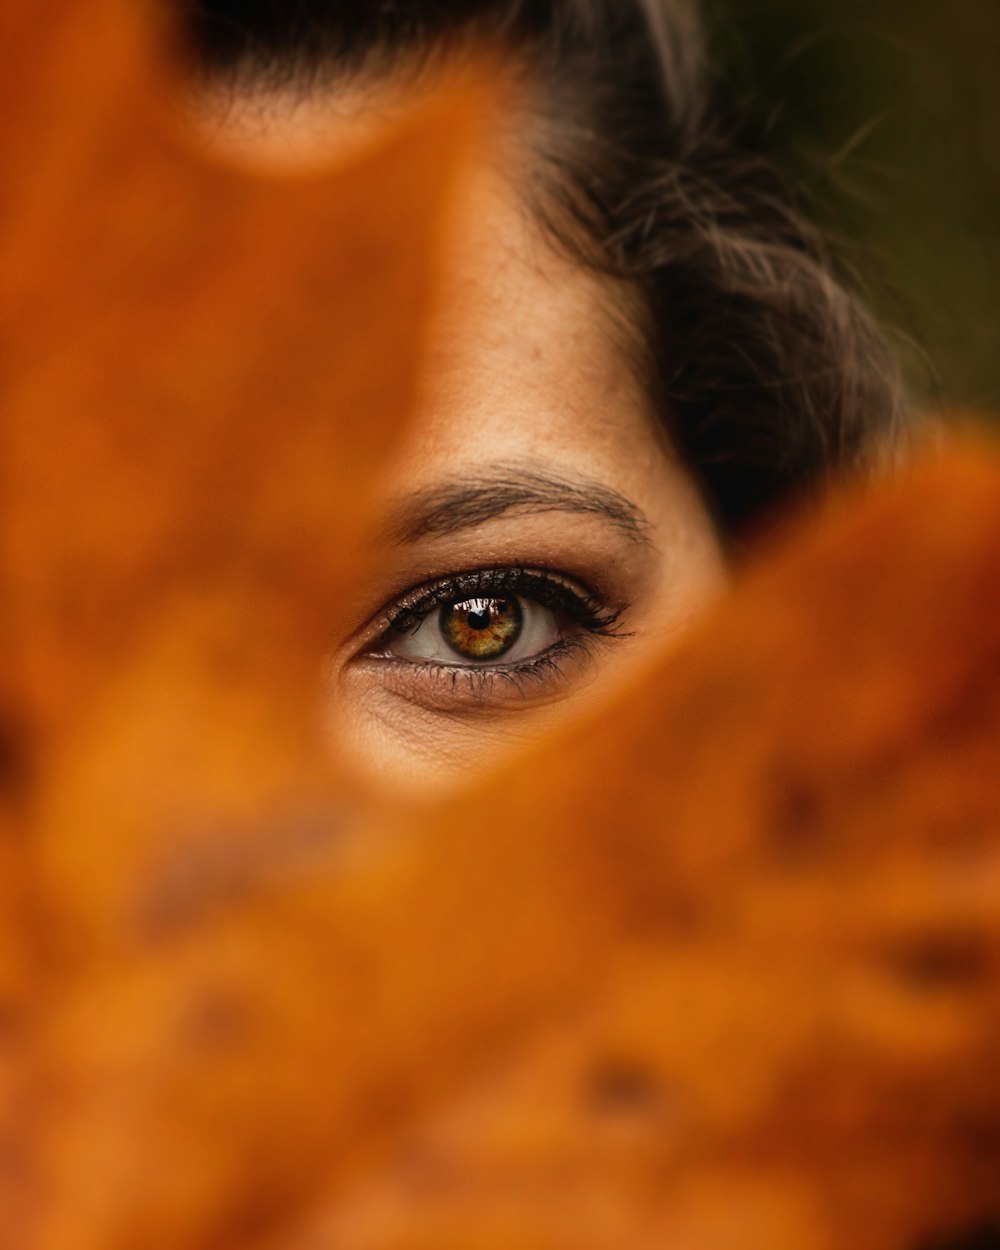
448,508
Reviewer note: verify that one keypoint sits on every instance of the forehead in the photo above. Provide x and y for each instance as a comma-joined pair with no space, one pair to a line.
516,314
529,352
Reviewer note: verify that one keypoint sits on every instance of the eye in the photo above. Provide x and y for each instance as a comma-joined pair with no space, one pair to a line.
481,630
491,619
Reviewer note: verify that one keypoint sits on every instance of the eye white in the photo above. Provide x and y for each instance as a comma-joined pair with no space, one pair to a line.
427,644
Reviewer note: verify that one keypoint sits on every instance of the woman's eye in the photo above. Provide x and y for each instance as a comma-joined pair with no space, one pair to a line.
487,637
481,630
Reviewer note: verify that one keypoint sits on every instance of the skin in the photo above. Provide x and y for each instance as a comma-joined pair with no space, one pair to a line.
535,446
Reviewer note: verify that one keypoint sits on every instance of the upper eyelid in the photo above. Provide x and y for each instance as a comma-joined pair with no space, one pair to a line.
422,600
499,579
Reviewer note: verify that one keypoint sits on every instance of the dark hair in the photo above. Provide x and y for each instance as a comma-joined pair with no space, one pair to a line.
766,369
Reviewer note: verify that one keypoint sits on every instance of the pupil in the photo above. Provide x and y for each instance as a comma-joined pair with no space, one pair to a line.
480,618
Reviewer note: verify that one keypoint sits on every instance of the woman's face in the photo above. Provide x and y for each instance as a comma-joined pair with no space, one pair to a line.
539,538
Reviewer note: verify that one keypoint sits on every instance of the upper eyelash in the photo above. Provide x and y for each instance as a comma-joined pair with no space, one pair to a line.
538,585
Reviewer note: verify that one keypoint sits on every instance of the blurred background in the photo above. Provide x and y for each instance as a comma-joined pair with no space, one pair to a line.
887,113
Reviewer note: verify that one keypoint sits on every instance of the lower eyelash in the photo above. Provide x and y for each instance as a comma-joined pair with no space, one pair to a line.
481,682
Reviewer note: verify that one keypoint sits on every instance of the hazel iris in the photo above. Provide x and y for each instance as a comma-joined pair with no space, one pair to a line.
482,629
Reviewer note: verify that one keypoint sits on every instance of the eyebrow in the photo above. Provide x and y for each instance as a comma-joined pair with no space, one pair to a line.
454,506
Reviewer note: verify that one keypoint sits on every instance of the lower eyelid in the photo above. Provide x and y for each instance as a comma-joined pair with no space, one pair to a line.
453,689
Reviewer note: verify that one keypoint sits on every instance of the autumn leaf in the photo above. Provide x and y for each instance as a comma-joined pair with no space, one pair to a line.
202,370
721,969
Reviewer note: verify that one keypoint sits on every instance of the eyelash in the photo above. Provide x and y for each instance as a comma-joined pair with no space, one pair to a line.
541,586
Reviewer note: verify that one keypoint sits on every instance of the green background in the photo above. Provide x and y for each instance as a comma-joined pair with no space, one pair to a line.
887,115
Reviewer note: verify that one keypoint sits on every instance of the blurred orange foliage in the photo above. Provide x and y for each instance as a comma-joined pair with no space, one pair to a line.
725,974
